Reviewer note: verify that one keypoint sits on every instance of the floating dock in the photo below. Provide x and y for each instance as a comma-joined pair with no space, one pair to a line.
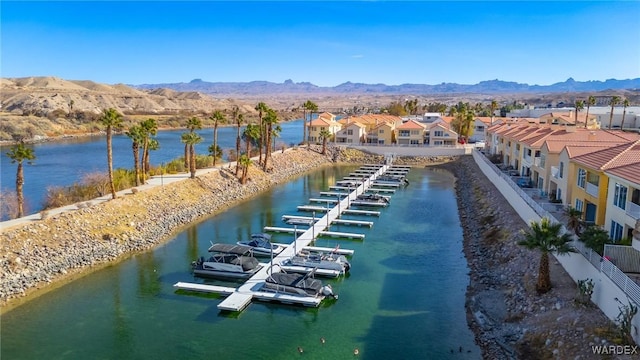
239,298
293,219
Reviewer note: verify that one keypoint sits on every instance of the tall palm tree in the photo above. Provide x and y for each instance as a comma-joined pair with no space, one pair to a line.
625,103
324,135
615,100
591,100
493,107
191,139
217,117
238,120
579,106
270,120
261,108
546,237
311,107
112,120
135,133
150,128
244,162
250,135
18,154
193,124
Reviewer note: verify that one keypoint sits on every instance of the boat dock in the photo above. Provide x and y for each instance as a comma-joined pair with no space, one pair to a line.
239,298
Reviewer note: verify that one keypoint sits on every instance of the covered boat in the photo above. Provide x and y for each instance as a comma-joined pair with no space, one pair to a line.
261,244
227,261
318,260
297,284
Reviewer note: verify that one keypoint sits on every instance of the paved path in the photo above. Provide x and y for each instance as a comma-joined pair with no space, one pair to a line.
151,183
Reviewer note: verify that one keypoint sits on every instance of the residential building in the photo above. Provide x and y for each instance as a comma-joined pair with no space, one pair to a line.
324,121
411,133
440,133
352,133
382,134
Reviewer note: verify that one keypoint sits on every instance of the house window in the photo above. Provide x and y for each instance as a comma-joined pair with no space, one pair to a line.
616,231
438,133
404,133
561,171
579,205
543,159
582,177
620,196
349,140
437,142
415,132
381,131
517,146
350,132
414,142
593,179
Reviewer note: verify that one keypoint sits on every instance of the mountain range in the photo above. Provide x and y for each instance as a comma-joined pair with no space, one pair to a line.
483,87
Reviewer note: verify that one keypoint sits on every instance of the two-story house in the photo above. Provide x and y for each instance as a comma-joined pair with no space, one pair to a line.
324,121
440,133
352,133
411,133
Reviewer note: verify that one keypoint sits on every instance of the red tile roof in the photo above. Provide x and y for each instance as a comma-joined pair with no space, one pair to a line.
412,124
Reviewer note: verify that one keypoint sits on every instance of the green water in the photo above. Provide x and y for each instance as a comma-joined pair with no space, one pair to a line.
404,297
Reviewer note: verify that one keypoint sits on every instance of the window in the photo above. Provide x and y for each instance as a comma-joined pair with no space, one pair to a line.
404,132
438,133
593,179
414,142
561,169
616,231
350,132
381,131
579,205
620,196
415,132
437,142
582,177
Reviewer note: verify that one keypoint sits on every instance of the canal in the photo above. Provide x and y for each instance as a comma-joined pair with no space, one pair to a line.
403,299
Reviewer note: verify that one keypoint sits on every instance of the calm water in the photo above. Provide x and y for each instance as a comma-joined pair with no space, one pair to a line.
404,298
64,163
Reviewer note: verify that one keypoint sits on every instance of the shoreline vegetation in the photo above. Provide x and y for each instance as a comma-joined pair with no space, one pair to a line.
508,319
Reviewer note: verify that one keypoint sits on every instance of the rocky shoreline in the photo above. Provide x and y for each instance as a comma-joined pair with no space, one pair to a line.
509,319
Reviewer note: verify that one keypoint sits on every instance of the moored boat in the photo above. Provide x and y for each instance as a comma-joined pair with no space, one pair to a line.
297,285
227,261
318,260
261,245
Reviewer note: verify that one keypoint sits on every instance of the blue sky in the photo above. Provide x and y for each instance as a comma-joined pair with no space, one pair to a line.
325,43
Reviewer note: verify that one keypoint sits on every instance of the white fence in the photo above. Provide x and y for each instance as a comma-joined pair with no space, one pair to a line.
611,282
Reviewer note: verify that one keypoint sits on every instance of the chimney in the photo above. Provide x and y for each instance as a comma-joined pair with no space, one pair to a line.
570,128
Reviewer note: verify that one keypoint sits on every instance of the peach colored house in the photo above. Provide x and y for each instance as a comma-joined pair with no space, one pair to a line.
440,133
323,121
411,133
382,134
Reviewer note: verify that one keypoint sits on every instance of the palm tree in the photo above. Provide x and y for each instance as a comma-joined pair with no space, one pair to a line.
250,136
150,128
261,108
18,154
112,120
135,133
270,120
615,100
591,100
311,107
193,124
579,106
547,238
625,103
324,135
216,117
191,139
238,119
244,162
493,107
574,219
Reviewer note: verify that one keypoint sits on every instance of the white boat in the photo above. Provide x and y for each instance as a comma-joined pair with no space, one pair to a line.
227,261
297,285
261,245
308,261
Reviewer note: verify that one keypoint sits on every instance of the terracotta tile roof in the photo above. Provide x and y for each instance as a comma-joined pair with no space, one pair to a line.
630,172
370,119
412,124
613,157
322,122
577,150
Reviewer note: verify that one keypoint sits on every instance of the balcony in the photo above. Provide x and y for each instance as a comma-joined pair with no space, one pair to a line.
592,189
555,172
536,162
633,210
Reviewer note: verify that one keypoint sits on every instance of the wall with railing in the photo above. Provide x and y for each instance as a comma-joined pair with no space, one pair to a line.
610,282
